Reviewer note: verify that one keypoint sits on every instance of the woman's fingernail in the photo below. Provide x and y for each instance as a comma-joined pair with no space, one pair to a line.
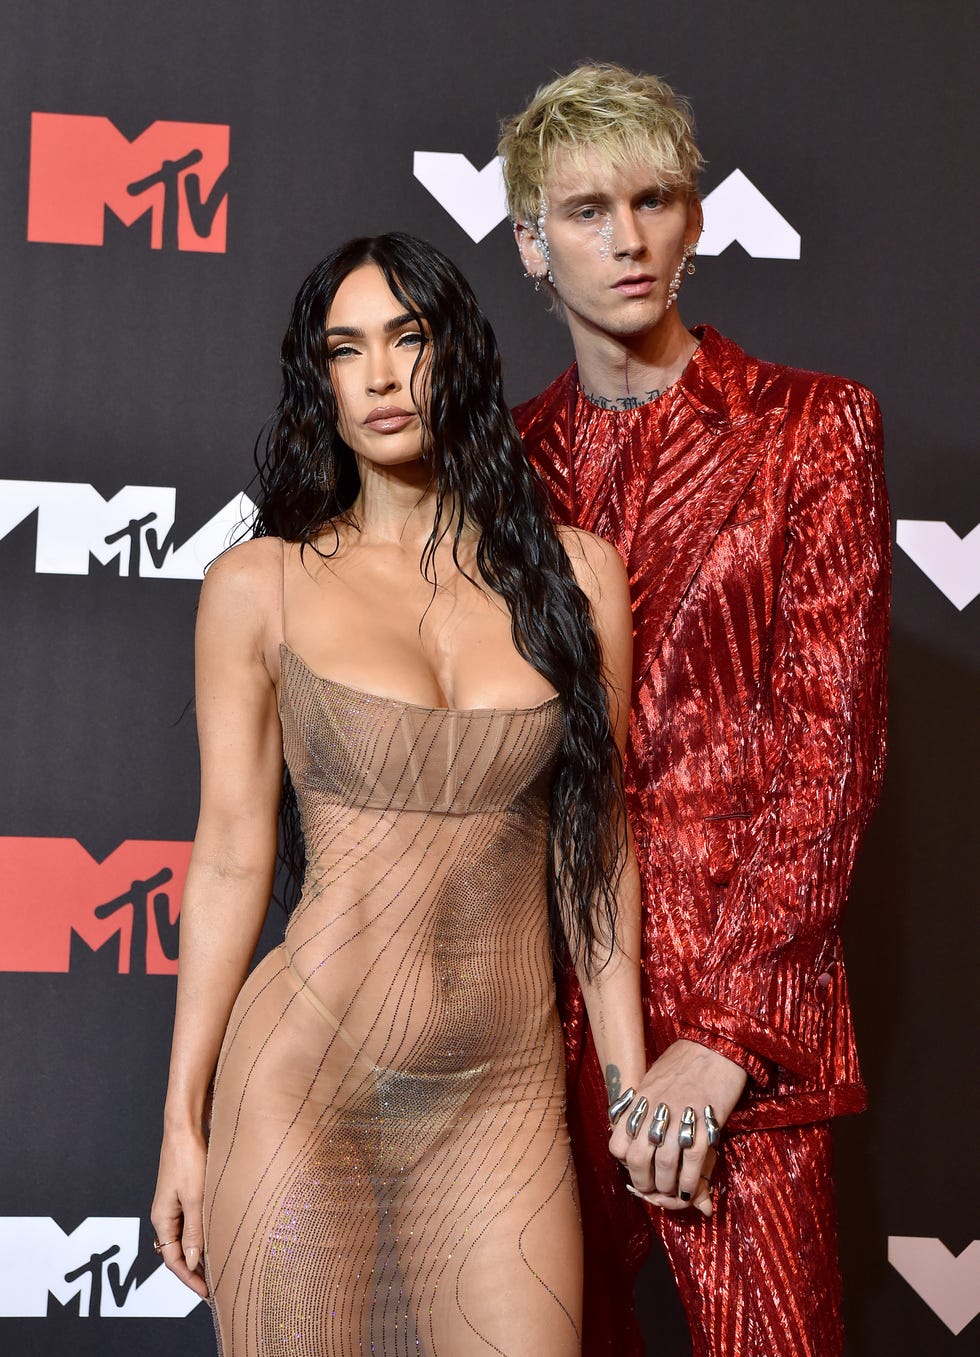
192,1257
684,1196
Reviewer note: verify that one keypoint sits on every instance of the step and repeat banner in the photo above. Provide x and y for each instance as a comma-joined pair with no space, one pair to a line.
170,174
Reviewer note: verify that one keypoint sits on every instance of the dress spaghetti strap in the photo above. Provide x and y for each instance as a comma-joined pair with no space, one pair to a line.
282,593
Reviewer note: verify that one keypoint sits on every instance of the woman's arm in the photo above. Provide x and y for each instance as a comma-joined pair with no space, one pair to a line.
612,993
230,875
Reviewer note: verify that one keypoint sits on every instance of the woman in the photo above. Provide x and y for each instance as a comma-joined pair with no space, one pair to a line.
388,1166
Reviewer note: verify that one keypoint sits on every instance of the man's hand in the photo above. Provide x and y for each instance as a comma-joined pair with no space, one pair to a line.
686,1075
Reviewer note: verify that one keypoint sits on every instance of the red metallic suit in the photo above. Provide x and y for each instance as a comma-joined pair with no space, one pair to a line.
749,505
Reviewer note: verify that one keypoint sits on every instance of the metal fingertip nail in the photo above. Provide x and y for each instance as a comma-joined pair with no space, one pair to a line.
617,1108
635,1118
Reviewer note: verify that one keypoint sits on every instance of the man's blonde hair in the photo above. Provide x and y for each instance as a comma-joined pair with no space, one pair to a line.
625,117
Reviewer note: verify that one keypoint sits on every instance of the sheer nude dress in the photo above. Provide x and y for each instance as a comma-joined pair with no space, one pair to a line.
388,1168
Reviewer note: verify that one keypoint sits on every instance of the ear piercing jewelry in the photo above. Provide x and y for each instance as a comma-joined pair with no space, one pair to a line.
685,266
685,1132
543,241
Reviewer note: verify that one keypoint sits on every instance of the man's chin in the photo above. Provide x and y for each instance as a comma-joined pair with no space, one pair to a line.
623,318
627,322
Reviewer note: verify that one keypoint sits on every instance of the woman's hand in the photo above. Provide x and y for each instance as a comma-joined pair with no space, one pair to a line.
178,1207
700,1201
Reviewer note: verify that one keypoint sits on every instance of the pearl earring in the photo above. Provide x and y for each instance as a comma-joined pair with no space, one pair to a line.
685,266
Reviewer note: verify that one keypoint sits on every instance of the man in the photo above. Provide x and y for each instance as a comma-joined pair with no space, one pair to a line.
747,500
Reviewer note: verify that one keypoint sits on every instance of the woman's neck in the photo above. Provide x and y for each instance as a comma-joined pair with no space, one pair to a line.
397,505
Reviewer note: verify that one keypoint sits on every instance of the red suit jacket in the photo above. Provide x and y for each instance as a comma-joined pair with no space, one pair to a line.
749,505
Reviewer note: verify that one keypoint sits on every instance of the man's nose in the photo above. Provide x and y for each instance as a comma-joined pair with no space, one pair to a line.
627,242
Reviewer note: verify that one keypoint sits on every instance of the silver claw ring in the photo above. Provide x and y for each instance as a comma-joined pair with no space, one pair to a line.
617,1108
711,1126
659,1124
685,1132
635,1119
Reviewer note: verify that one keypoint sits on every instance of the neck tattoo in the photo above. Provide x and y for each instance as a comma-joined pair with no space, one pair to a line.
624,402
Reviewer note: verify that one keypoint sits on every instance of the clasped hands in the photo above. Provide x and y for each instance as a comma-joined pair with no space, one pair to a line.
670,1164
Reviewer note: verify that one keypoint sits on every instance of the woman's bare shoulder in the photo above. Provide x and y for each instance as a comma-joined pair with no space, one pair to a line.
243,587
593,559
255,565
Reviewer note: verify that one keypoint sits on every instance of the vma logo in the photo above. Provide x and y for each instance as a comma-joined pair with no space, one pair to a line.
94,1270
948,1283
175,173
64,911
951,562
734,211
134,528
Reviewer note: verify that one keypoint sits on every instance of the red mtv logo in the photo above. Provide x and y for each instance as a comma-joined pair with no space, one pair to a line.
176,172
52,889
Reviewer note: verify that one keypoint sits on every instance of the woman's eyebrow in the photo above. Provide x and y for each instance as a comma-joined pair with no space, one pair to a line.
352,331
396,323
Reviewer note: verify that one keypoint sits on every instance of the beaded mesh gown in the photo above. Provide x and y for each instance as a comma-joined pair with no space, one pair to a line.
388,1168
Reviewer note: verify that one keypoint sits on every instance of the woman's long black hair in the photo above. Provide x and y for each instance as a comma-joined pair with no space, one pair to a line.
308,480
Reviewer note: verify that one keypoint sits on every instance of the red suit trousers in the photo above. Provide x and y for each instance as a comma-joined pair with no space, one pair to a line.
762,1278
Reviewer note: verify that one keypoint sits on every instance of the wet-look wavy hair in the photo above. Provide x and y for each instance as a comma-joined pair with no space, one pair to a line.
308,482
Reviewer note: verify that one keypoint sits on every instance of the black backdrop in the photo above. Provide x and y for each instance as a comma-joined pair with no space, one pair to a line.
124,365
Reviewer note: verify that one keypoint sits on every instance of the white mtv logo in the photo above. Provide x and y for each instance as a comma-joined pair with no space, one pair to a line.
948,1284
135,527
95,1262
735,210
950,561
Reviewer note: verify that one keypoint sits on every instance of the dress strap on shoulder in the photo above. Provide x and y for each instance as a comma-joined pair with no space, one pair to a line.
282,591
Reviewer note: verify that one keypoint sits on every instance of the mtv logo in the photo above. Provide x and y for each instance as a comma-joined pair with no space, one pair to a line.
54,891
951,562
176,172
97,1264
734,211
135,527
948,1284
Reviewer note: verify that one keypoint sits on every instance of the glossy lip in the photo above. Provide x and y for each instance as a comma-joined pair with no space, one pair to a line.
389,418
635,284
